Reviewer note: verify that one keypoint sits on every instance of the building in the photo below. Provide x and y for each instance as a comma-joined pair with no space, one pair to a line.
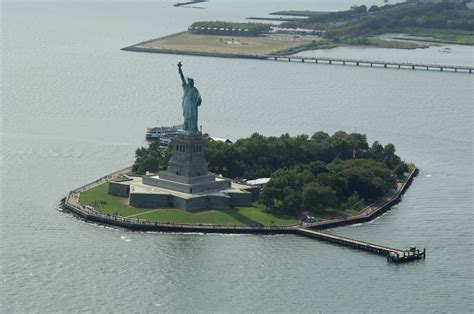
220,139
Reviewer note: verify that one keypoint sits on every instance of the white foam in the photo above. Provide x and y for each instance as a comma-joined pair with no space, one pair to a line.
126,239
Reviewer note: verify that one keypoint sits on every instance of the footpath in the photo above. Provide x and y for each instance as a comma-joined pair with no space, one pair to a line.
71,203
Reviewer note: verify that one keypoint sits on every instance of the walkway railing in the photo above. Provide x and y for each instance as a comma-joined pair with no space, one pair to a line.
71,202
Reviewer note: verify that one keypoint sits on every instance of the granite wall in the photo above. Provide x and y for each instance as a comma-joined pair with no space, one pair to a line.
119,189
150,200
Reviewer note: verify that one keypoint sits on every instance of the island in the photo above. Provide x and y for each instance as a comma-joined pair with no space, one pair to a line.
285,184
304,179
263,181
421,22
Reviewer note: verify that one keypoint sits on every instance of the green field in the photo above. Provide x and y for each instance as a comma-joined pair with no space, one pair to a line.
375,42
460,37
239,45
256,214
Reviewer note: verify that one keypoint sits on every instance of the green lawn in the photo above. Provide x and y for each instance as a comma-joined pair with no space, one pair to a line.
330,213
256,214
375,42
461,37
108,204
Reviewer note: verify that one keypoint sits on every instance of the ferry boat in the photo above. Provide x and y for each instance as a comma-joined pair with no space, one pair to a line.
165,141
164,134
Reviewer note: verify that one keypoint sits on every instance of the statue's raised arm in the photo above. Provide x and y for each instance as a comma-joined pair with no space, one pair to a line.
190,103
181,73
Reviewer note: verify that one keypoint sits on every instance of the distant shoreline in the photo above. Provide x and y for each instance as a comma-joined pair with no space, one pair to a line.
287,54
180,4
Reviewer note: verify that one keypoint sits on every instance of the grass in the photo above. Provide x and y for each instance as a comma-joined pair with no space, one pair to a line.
460,37
261,45
379,43
241,45
108,204
255,214
287,44
330,213
305,13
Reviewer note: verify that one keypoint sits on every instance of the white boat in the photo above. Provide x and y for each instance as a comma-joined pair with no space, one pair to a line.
165,141
164,134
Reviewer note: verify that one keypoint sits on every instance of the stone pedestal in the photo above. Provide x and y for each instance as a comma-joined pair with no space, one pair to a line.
187,169
187,163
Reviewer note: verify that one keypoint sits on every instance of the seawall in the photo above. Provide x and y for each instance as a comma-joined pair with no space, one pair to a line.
71,203
283,56
370,212
194,53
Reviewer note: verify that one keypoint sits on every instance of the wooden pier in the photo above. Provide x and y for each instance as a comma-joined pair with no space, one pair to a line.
377,64
393,255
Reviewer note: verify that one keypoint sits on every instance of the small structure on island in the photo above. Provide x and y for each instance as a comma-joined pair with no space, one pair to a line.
187,183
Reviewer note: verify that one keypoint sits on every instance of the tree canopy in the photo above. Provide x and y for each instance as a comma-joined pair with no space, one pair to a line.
358,21
260,156
229,28
153,158
307,173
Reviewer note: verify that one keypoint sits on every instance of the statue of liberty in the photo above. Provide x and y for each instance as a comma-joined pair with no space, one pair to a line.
191,100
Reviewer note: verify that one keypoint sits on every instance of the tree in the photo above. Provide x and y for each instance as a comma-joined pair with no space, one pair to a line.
317,167
354,202
376,151
317,197
292,201
151,159
374,9
269,195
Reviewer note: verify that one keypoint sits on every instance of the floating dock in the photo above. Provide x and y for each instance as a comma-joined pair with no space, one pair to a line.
393,255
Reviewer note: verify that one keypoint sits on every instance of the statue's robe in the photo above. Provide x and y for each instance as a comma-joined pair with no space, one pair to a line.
191,100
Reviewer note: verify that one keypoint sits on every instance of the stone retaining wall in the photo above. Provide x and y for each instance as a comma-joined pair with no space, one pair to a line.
146,200
137,224
118,189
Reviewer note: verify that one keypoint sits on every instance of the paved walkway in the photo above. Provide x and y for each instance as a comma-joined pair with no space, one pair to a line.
150,211
364,215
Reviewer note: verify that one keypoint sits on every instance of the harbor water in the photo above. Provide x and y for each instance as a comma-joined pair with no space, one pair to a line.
74,107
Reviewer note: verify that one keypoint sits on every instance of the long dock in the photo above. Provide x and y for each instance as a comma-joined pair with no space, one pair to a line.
393,255
378,64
